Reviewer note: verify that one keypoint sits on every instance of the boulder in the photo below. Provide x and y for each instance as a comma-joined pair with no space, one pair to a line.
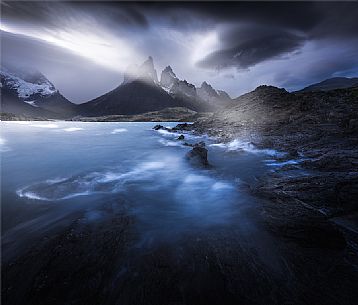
181,137
198,155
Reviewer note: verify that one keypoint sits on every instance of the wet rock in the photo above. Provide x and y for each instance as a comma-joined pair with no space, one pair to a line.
158,127
198,155
183,126
181,137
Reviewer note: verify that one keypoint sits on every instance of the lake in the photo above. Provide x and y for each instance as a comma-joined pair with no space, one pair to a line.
125,184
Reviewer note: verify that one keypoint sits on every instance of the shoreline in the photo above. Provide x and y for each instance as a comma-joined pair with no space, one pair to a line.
213,266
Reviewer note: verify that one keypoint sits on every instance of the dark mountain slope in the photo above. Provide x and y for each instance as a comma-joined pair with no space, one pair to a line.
129,98
332,84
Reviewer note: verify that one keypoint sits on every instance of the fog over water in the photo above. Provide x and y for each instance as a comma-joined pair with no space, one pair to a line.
55,172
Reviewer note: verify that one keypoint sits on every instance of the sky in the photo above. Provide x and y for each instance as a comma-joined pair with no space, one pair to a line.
83,48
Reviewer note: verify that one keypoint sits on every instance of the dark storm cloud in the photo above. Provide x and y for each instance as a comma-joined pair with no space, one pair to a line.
246,45
280,43
296,15
274,29
257,31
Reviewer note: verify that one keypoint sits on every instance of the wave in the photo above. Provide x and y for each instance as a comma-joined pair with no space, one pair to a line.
238,145
88,184
71,129
169,143
167,133
150,176
118,130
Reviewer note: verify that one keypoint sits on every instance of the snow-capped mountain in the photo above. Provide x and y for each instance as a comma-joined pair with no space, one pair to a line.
27,85
29,92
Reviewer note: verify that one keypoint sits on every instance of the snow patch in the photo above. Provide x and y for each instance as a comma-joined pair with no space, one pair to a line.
31,103
25,89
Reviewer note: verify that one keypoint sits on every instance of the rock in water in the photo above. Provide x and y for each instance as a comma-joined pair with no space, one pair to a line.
198,155
157,127
181,137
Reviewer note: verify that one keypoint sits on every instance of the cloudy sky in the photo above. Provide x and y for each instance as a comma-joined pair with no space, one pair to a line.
84,47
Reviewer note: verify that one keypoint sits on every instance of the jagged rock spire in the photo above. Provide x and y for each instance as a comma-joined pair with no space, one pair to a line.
145,72
168,78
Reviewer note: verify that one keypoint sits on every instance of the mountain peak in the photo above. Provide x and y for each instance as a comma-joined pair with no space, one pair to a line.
145,72
168,78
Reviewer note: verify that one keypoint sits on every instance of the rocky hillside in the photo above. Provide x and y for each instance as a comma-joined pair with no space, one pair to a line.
30,93
268,110
313,186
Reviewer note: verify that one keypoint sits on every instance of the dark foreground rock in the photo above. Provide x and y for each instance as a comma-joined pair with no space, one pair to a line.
101,263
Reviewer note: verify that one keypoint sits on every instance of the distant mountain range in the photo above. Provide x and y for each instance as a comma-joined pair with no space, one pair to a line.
141,91
30,93
332,84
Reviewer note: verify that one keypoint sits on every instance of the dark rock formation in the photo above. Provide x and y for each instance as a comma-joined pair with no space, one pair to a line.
158,127
181,137
168,79
182,127
316,127
198,155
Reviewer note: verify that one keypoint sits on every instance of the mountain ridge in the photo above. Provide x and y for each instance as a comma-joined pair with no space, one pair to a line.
332,84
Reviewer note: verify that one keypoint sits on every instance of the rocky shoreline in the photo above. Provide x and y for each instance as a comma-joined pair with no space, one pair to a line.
317,181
